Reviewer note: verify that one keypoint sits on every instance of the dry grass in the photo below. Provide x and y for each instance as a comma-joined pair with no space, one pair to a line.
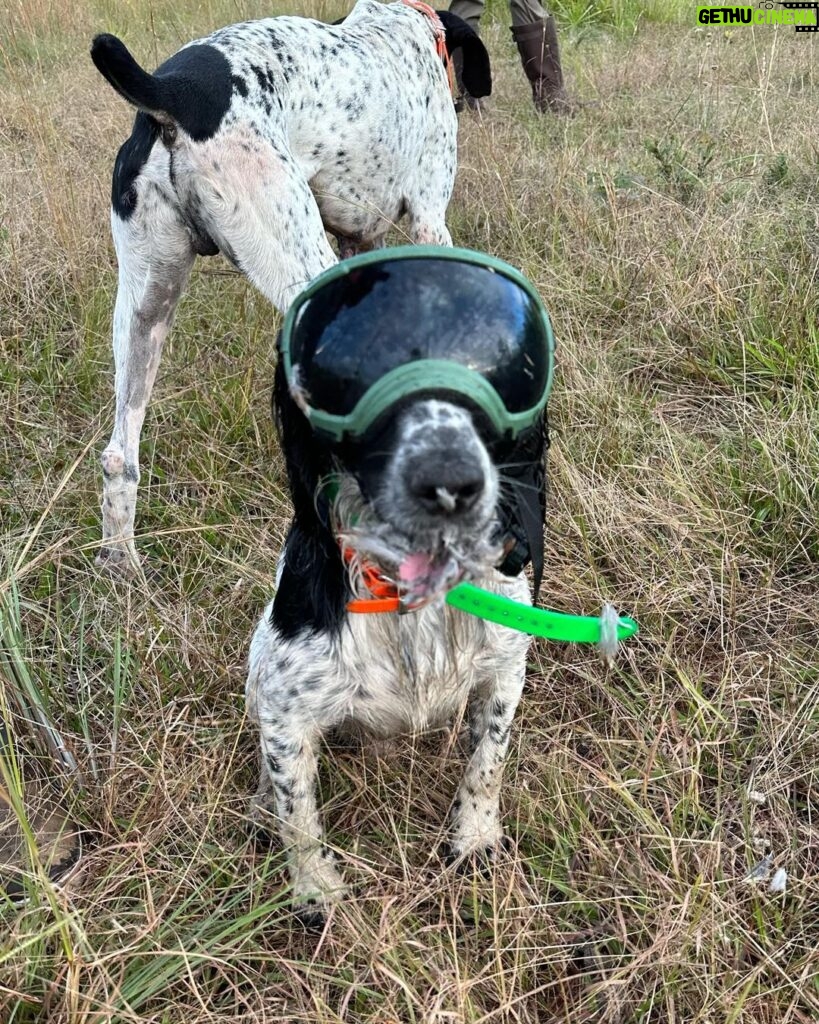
673,232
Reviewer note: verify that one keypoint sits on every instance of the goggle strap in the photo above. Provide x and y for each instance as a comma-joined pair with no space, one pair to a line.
415,378
528,502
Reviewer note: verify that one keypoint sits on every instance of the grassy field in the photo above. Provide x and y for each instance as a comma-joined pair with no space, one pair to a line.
672,230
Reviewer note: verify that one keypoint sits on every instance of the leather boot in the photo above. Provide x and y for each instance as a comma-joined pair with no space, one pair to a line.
540,57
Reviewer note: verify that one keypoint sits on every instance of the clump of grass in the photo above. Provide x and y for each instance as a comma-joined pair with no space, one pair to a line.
623,15
683,170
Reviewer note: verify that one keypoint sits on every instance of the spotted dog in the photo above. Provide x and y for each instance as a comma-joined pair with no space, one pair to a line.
253,142
429,497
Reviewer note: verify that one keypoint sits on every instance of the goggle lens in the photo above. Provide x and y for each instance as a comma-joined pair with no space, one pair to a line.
368,320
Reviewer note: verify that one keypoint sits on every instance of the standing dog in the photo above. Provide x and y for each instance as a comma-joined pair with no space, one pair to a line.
252,142
410,398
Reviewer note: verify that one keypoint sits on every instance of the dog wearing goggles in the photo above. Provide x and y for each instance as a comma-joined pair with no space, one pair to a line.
410,400
253,142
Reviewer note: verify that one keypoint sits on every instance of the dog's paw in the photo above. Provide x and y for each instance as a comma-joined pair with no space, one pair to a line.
476,838
475,825
317,885
312,915
121,561
479,860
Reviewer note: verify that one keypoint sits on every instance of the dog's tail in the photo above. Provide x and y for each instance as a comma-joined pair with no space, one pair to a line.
477,72
114,62
192,88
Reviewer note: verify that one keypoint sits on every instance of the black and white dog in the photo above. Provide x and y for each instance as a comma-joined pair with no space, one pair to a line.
430,495
252,142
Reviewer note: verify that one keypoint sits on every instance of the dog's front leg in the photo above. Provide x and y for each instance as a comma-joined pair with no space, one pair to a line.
476,825
289,759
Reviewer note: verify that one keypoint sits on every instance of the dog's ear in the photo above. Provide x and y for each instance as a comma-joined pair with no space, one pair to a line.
477,71
313,588
307,461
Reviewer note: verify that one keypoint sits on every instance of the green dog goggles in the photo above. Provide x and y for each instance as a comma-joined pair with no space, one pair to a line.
417,320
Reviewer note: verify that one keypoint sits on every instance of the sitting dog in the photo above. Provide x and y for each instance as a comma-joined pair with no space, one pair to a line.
410,399
252,142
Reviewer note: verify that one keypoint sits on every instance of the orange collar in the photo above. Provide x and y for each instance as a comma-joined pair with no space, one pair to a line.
384,593
440,37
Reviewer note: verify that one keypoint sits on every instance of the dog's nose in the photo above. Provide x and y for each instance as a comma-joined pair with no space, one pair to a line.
447,489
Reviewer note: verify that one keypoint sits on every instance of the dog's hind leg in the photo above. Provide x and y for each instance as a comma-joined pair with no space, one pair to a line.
430,189
155,255
427,199
261,213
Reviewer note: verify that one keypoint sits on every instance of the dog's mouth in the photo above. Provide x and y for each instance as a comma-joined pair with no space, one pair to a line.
422,570
423,577
419,561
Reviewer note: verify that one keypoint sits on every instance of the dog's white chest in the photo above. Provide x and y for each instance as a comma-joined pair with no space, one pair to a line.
387,673
410,673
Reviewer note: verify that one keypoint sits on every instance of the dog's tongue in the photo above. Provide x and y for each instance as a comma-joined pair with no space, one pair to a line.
415,568
426,577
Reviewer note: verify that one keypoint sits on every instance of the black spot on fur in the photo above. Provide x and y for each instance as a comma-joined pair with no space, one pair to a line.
263,77
280,746
198,85
131,158
498,735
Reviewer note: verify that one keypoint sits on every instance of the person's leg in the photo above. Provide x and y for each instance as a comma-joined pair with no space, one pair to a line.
469,10
535,34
